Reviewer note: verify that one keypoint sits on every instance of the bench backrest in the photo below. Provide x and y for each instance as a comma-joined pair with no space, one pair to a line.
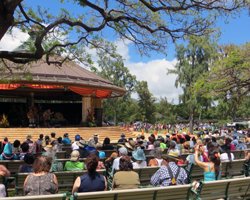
178,192
225,188
228,170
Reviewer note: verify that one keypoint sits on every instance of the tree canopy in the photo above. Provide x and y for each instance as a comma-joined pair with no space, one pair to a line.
150,25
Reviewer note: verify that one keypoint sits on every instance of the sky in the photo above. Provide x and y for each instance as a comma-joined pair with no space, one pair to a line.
153,68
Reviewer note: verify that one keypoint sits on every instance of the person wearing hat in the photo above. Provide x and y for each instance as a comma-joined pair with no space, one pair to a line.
82,148
122,152
74,164
66,139
170,174
140,158
74,145
8,154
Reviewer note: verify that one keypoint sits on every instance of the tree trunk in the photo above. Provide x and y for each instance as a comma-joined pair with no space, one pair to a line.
7,9
191,120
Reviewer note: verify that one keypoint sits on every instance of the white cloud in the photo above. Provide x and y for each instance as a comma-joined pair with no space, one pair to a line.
160,83
11,41
154,72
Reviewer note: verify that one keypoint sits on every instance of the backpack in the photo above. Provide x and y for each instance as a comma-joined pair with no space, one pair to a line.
173,178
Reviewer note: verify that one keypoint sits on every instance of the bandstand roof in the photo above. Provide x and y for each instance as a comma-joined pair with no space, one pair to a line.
68,77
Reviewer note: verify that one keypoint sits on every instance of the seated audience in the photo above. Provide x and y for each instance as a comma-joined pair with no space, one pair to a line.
126,178
157,161
140,158
66,139
41,182
74,164
3,172
106,144
170,174
122,152
8,154
212,167
28,162
123,139
92,180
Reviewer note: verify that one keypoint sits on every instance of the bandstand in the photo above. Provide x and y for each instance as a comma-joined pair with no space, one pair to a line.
70,94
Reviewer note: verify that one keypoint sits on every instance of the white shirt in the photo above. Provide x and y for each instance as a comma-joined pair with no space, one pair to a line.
137,165
116,163
74,146
224,157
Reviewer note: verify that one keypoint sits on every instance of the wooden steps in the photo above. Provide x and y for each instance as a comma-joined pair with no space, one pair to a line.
85,132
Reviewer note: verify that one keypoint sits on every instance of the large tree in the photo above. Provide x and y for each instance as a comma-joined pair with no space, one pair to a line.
228,80
112,68
146,102
194,59
81,23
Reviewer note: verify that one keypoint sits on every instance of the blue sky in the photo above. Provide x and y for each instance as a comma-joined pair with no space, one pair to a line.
153,69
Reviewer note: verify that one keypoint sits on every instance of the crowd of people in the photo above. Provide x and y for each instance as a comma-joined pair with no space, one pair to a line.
205,150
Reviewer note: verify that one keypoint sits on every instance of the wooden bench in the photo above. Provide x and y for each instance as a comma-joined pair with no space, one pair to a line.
224,189
38,197
65,179
12,165
228,170
179,192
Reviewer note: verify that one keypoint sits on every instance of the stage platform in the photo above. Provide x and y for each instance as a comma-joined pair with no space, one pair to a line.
112,132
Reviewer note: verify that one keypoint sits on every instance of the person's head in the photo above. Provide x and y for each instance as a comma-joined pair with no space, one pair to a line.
123,151
25,147
172,145
77,137
29,137
59,140
6,139
16,143
214,139
66,135
106,141
42,164
96,138
172,156
29,158
41,136
91,164
53,135
214,157
125,164
74,156
157,153
157,143
139,155
151,139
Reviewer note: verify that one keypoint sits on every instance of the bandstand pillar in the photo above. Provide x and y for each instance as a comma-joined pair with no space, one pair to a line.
87,107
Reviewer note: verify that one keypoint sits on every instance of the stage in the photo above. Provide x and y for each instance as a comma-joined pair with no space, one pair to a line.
113,132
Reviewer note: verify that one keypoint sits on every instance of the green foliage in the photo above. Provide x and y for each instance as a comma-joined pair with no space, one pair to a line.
146,102
194,60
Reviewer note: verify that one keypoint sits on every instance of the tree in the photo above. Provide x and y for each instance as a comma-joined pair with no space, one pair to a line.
194,60
228,81
146,102
113,69
148,24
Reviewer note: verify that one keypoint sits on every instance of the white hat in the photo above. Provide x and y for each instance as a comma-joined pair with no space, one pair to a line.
74,156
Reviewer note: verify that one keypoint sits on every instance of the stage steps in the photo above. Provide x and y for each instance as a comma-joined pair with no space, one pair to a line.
86,132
